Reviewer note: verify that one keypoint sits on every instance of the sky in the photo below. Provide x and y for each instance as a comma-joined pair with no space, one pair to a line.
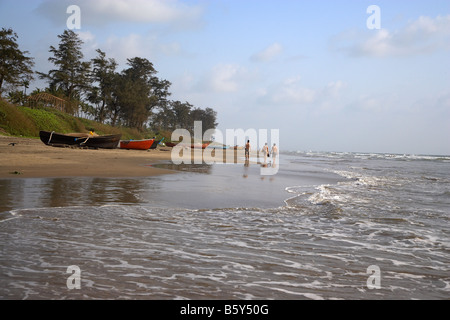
330,75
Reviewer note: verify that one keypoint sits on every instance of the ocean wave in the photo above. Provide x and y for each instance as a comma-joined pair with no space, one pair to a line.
358,178
150,252
369,156
328,195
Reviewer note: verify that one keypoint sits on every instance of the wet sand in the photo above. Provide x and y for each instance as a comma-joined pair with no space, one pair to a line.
30,163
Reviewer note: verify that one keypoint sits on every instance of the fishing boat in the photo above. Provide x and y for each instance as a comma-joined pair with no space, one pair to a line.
171,144
155,143
80,140
186,145
137,144
200,145
216,145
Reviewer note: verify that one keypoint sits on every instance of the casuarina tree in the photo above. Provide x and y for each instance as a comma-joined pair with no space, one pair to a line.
15,66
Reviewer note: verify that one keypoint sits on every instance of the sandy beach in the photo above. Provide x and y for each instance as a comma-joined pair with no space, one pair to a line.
30,158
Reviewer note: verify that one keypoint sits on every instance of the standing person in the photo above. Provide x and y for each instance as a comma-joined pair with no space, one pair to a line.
247,150
274,153
265,150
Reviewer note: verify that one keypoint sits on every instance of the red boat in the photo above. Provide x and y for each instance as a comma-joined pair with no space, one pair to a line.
136,144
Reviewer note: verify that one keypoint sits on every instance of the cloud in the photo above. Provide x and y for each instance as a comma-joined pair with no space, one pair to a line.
421,36
122,48
105,12
90,44
86,36
268,53
149,46
334,88
291,92
120,42
224,78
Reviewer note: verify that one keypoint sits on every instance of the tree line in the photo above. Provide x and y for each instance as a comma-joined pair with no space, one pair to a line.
134,97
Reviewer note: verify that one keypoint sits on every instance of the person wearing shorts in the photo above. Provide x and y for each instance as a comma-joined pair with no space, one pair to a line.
247,150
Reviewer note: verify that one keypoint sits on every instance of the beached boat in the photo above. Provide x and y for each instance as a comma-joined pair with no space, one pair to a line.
137,144
80,140
171,144
186,145
215,145
155,143
200,145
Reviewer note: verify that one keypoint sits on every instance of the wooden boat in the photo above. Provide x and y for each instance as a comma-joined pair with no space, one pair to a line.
192,145
137,144
217,146
200,145
171,144
80,140
155,143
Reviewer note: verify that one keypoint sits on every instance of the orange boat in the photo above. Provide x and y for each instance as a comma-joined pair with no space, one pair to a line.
192,145
200,145
136,144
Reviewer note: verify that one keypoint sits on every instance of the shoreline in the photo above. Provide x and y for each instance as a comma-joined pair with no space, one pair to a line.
196,186
219,184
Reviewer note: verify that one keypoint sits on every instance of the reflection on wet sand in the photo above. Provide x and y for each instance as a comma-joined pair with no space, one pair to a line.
198,168
62,192
191,186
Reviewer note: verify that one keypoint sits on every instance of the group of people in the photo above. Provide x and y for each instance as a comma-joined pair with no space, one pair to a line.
265,151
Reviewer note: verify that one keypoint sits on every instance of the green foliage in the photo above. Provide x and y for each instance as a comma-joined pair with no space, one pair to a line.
176,114
15,67
27,122
72,74
44,120
15,122
17,97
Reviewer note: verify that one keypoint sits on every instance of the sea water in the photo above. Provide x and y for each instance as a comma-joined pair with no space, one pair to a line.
316,230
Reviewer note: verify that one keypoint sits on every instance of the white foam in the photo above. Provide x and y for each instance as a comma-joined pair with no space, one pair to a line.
13,218
327,194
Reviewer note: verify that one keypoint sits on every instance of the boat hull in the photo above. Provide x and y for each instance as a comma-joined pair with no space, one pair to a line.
171,144
80,140
199,145
193,145
136,144
155,144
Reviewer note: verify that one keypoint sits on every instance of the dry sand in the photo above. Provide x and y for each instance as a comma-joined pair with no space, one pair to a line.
30,158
